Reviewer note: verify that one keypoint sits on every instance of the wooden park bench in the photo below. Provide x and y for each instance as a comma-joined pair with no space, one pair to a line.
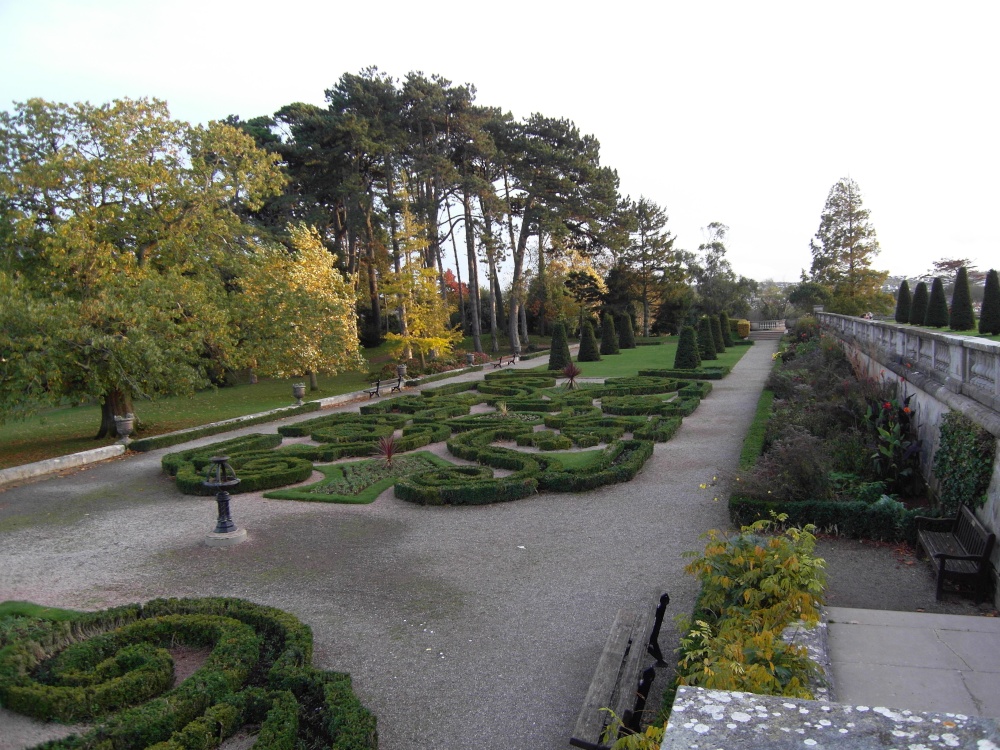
620,682
961,546
398,387
374,390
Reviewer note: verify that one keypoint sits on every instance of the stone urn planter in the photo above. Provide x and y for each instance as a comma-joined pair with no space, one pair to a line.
298,392
124,426
401,371
470,358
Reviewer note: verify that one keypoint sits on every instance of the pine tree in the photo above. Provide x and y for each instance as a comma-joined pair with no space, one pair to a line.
903,303
937,306
918,305
609,337
687,357
727,329
626,336
962,316
989,316
588,344
706,341
559,355
720,345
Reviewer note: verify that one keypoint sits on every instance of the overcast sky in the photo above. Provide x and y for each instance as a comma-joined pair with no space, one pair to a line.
740,112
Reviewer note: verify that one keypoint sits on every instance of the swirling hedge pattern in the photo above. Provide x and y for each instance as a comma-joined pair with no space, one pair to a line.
113,669
644,409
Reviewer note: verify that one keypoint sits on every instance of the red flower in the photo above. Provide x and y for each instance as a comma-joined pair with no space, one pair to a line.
906,410
886,405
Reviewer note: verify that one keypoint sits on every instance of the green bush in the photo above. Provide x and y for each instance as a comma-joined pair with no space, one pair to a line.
172,462
588,345
727,329
622,461
626,336
720,345
609,336
706,340
687,356
559,355
903,303
753,443
989,315
937,306
963,462
962,316
918,305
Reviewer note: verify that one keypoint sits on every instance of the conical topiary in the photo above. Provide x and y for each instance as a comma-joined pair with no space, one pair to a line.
559,353
588,344
903,303
706,341
609,336
727,329
962,317
720,345
989,316
687,357
937,306
626,336
918,305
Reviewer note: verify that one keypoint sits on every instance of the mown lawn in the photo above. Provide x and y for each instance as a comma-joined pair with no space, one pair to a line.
656,357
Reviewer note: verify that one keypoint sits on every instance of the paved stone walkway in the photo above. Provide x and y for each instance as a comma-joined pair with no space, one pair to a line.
462,627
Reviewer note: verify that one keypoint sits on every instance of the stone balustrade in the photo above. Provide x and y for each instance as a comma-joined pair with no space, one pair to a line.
767,325
963,365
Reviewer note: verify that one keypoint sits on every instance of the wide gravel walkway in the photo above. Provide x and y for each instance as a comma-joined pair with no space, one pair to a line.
462,627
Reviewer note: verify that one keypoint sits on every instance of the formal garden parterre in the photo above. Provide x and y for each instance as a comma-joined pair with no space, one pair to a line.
526,431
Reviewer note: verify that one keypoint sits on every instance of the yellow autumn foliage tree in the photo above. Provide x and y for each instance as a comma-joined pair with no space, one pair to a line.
295,311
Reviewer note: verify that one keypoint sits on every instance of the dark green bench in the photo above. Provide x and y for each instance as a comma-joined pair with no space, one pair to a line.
961,546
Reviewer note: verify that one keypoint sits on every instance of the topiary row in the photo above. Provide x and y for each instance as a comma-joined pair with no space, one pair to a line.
113,668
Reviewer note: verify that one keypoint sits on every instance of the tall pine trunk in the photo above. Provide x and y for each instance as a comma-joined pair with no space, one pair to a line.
470,251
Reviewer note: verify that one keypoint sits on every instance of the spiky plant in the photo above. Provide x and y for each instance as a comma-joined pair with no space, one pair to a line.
571,372
386,449
502,408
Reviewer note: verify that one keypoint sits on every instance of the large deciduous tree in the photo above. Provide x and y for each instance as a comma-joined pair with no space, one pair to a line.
719,288
843,250
121,223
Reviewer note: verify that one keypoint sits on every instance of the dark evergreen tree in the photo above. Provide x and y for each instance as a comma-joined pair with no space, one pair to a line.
903,303
962,316
609,337
727,329
559,353
687,357
918,305
626,336
588,344
706,341
937,306
720,345
989,316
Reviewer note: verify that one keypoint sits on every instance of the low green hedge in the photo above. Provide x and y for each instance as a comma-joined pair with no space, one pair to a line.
709,372
257,470
622,462
91,665
853,519
172,462
463,485
185,436
753,443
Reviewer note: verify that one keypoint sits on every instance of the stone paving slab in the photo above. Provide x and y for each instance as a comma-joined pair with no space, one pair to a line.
718,720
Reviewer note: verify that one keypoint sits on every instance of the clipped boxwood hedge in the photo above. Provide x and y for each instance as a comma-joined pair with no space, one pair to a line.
106,667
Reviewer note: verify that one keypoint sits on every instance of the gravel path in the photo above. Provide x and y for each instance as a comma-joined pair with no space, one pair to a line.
462,627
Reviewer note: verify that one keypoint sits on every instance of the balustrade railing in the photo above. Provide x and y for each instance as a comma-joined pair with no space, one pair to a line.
767,325
965,365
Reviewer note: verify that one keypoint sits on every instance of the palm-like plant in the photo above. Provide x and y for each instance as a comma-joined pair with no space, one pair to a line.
571,372
387,449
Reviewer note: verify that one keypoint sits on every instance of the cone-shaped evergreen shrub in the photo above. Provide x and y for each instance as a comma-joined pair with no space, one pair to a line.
559,353
962,316
588,345
609,336
989,316
687,357
626,336
903,303
706,341
918,305
937,306
720,345
727,329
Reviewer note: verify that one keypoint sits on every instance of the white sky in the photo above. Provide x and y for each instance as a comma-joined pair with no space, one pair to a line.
740,112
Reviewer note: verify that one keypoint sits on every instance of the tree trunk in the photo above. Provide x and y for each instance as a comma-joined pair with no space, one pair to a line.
470,248
313,382
114,403
458,274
